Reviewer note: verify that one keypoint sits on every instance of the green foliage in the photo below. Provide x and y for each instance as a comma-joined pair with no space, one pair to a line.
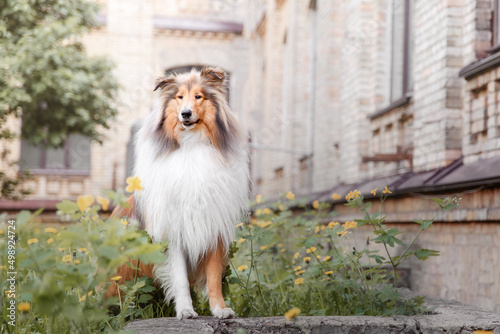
45,73
47,79
63,272
280,261
307,260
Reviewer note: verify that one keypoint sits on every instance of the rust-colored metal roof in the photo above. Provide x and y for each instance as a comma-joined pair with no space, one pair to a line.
455,177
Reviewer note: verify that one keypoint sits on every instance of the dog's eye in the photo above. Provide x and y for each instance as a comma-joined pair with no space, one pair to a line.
180,97
197,97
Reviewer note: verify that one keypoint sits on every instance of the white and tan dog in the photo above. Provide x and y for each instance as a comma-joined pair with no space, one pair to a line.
192,160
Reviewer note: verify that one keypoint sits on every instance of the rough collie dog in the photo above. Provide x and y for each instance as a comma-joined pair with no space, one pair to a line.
192,160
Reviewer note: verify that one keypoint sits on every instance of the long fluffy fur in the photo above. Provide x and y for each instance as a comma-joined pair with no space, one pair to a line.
195,180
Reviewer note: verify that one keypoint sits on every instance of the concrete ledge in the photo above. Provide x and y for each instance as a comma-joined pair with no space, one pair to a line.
450,317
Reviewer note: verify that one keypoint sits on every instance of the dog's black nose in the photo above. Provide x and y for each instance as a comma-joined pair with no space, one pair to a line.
186,114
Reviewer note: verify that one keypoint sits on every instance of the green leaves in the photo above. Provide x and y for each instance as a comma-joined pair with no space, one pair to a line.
447,203
387,236
67,206
64,272
424,224
424,254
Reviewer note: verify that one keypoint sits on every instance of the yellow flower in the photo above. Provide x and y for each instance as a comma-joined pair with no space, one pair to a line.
83,249
299,280
133,183
300,272
297,268
241,241
243,267
292,313
239,225
283,250
1,231
62,249
124,221
336,197
290,196
84,202
350,224
116,278
352,195
50,230
265,224
374,192
258,198
66,258
266,211
258,212
307,259
386,191
326,258
24,307
296,255
323,227
51,240
332,224
318,257
32,241
329,272
315,204
282,207
263,247
82,298
104,202
280,245
311,249
77,261
341,234
316,229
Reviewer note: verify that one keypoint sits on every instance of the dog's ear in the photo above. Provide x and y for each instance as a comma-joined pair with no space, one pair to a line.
163,81
213,74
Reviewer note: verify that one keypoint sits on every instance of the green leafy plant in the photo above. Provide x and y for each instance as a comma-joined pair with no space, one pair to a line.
304,259
62,273
300,260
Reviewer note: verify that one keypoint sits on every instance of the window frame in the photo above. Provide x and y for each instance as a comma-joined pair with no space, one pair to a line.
407,91
495,28
42,168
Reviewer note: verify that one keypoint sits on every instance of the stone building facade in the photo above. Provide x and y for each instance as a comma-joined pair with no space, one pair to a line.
335,95
402,93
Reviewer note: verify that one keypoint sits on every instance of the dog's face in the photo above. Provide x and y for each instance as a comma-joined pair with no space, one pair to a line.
196,101
191,99
190,105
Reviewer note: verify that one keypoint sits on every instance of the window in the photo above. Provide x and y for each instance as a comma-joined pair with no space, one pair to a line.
279,172
496,24
401,49
74,156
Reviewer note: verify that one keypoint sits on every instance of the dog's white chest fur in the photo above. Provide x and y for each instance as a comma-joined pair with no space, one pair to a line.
192,197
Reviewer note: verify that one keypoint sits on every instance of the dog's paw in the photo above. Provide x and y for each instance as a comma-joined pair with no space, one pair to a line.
187,313
223,313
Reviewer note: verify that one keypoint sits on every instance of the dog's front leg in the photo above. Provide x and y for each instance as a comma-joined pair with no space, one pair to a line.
179,285
215,266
